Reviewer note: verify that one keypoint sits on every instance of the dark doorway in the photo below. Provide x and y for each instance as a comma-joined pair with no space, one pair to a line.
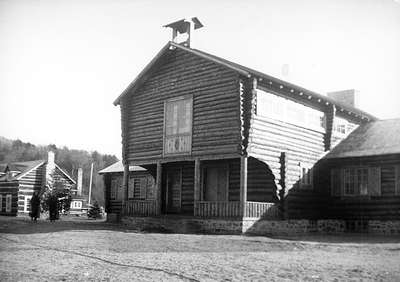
172,191
215,183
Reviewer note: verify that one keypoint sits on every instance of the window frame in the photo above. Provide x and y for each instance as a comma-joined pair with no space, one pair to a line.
27,200
143,192
357,189
190,134
9,200
306,182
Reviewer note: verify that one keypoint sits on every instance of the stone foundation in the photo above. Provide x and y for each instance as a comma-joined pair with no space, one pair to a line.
258,227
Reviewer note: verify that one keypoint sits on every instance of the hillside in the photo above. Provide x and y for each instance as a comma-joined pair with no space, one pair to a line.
69,159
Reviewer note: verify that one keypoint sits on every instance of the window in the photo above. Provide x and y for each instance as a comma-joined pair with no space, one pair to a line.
342,126
8,202
178,126
141,188
275,107
306,175
355,181
27,203
76,204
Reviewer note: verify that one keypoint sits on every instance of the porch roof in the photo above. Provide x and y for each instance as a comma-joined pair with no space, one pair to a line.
119,167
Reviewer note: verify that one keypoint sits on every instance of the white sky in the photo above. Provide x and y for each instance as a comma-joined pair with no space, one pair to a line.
62,63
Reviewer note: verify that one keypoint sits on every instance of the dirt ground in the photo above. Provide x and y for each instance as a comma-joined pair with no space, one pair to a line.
87,250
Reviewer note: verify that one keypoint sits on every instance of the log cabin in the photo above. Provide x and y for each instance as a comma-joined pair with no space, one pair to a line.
19,180
224,141
361,175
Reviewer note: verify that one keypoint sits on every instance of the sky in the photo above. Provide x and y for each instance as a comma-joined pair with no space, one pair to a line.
63,62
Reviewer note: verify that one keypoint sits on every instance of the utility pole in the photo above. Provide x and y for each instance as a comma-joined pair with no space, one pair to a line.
90,184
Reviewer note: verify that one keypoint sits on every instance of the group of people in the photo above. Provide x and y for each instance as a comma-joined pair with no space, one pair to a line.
35,207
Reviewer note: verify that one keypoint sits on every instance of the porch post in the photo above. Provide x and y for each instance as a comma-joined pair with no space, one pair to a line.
125,181
197,174
158,187
243,184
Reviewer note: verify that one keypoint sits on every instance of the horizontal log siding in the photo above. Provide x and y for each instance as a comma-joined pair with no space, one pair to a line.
215,90
31,182
7,188
260,182
383,207
267,139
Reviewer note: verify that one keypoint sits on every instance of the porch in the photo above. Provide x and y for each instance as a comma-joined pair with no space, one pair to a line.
208,209
205,189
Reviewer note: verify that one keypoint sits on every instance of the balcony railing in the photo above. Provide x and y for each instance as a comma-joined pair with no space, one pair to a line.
140,207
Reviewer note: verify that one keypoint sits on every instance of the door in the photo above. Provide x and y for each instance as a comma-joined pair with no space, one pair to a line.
215,185
173,191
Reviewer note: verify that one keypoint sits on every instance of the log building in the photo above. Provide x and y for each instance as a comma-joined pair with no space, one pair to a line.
223,141
19,180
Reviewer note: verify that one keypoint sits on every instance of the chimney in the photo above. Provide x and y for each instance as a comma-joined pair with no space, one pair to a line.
347,97
181,30
50,167
79,181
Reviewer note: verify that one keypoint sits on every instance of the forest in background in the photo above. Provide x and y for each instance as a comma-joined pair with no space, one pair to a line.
68,159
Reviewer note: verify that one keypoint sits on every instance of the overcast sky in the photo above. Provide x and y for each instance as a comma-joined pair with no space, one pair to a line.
62,63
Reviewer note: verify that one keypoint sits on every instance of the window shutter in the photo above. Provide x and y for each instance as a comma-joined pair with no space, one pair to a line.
131,187
1,203
336,182
374,181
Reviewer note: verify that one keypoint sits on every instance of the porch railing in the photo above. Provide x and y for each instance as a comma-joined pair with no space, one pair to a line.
217,209
261,210
140,207
234,209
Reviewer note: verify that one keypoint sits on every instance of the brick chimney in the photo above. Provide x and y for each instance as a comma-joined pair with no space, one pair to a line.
79,182
347,97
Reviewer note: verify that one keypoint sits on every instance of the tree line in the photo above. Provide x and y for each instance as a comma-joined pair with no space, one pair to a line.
68,159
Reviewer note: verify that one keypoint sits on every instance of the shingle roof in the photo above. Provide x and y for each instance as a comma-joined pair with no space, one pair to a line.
22,167
119,167
237,68
380,137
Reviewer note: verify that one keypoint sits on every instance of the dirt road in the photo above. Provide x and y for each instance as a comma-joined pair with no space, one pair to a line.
95,251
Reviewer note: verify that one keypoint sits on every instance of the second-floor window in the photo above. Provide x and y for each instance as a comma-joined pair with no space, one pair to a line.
178,126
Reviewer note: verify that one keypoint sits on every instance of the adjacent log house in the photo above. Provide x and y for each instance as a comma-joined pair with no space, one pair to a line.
19,180
224,141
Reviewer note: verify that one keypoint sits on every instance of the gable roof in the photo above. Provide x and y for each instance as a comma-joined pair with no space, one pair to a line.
119,167
23,167
27,167
245,71
375,138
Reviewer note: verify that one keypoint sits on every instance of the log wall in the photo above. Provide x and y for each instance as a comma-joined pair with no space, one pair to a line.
215,90
383,207
33,181
9,188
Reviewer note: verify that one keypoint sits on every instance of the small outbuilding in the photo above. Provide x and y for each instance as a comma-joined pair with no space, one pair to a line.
140,188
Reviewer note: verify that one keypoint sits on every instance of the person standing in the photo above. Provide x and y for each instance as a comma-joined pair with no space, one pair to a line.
35,206
53,207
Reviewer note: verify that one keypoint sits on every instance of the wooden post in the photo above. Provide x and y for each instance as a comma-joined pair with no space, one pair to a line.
125,181
330,123
158,187
90,183
197,173
243,183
